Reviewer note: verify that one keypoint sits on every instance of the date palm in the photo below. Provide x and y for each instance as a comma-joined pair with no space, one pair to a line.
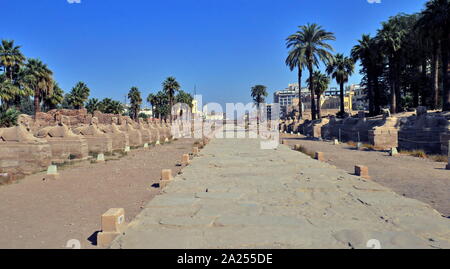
11,58
54,99
321,82
38,78
341,69
93,105
296,59
79,95
367,52
315,49
390,38
170,87
259,93
135,101
436,20
160,104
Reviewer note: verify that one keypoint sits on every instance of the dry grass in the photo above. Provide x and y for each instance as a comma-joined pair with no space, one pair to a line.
304,150
415,153
439,158
352,144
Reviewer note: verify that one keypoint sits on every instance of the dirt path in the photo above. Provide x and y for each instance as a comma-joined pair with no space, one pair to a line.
46,214
412,177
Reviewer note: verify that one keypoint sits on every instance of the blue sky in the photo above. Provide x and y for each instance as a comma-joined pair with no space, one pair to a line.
222,46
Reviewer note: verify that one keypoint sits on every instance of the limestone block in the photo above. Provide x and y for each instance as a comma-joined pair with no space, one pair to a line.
52,173
319,156
113,220
166,174
362,171
24,158
113,224
393,152
195,151
185,159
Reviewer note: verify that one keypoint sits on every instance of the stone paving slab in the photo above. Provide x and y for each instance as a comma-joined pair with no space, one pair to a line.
237,195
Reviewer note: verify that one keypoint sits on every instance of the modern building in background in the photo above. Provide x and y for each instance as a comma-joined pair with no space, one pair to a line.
285,98
360,100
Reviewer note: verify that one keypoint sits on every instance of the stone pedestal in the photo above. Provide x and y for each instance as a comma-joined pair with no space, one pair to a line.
362,171
384,137
113,224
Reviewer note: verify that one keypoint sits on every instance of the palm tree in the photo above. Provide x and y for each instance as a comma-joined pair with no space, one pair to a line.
321,82
79,95
93,105
54,99
341,69
8,91
366,51
390,38
259,93
314,49
184,98
153,101
160,104
38,77
11,58
436,19
109,106
296,59
170,86
135,100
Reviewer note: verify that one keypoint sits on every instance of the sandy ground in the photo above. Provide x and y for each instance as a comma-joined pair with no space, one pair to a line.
37,213
412,177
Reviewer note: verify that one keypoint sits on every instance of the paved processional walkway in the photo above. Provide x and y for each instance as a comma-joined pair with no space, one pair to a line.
237,195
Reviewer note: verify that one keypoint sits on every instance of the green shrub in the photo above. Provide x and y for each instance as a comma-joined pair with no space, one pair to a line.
9,118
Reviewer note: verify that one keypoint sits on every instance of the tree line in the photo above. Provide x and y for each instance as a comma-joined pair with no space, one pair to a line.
24,78
405,65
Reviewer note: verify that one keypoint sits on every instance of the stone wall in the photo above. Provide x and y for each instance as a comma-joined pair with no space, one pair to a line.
424,131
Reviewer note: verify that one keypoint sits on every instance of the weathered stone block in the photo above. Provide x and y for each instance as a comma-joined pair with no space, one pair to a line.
113,224
362,171
320,156
113,220
185,159
166,174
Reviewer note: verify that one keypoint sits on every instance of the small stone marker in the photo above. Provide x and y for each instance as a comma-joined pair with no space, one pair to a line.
319,156
146,146
362,171
185,159
166,140
166,177
127,149
113,224
52,172
393,152
195,151
336,142
166,174
359,146
100,158
157,143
